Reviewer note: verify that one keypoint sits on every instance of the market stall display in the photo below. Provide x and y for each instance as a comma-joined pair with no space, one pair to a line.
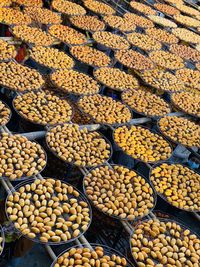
51,57
60,216
156,241
139,20
111,40
180,130
186,52
67,35
162,35
99,7
177,184
74,82
144,41
115,78
68,8
145,103
42,15
90,56
43,107
142,144
20,158
123,186
11,16
18,77
134,60
119,23
187,102
78,146
7,51
104,109
87,23
5,113
33,35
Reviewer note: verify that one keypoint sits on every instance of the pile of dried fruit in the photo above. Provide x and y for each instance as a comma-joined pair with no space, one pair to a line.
147,10
162,36
99,7
190,77
104,109
7,51
167,9
67,7
126,195
187,35
187,21
20,157
142,144
119,23
56,212
43,107
178,184
139,20
162,21
78,146
186,52
12,16
38,3
87,23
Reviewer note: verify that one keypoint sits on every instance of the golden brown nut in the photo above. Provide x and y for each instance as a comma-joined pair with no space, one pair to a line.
162,36
7,51
90,56
187,21
127,195
48,210
186,52
162,21
12,16
181,130
143,41
37,3
167,9
145,102
111,40
139,20
78,146
167,60
43,15
51,58
87,23
67,35
142,144
5,114
134,60
87,257
43,107
187,10
99,7
20,157
74,82
187,102
186,35
104,109
164,243
143,8
190,77
119,23
178,184
19,78
115,78
162,80
33,35
67,7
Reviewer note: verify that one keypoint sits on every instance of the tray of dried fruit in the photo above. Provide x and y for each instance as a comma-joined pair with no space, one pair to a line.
98,8
113,75
94,253
101,121
153,238
80,49
5,114
2,240
176,184
48,211
88,78
140,95
112,183
182,121
94,150
50,101
187,98
28,158
159,142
